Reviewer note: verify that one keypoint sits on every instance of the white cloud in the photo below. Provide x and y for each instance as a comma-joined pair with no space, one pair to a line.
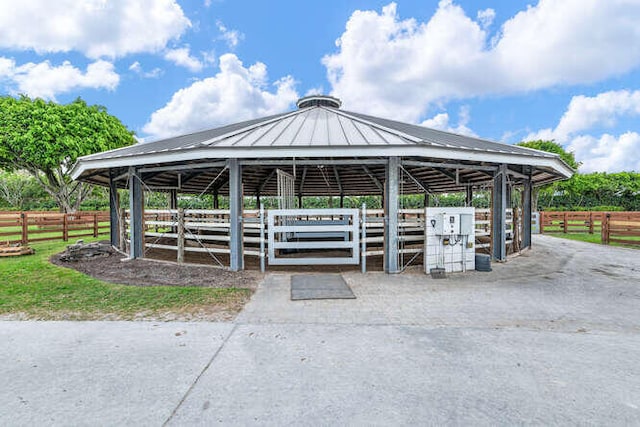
441,122
46,81
137,68
315,91
584,113
400,68
232,37
486,17
97,28
183,58
606,152
235,93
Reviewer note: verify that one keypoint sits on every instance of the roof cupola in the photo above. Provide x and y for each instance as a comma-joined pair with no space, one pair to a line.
318,101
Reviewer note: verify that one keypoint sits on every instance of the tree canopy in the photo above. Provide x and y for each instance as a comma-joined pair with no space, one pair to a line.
552,147
46,138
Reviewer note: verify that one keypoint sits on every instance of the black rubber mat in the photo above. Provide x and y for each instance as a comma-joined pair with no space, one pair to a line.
319,286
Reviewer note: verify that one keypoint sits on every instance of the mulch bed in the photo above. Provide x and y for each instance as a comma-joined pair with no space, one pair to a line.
115,268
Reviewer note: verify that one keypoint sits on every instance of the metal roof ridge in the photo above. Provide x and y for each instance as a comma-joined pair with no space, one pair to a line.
376,125
251,127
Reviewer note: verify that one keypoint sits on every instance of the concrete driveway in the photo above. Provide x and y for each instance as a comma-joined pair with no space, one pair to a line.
551,337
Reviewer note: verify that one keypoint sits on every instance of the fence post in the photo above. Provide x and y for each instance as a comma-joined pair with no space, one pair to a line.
180,235
65,228
541,220
95,224
363,236
605,229
25,228
122,230
262,253
565,223
590,222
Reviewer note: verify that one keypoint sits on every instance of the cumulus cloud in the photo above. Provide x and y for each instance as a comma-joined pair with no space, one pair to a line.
183,58
441,122
400,68
97,28
235,93
46,81
586,113
153,74
232,37
607,153
486,17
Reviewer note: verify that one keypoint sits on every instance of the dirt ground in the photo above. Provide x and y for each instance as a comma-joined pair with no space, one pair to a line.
143,272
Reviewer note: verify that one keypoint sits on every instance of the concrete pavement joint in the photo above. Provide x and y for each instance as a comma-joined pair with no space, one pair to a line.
206,367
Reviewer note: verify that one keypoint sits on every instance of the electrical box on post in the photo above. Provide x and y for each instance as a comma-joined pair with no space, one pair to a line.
466,225
450,224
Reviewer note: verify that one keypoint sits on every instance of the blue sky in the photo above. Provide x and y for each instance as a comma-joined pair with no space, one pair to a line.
504,70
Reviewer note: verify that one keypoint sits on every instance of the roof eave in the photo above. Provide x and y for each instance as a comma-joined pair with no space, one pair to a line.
200,153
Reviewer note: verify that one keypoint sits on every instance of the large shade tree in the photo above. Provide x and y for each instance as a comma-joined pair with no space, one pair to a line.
45,139
550,147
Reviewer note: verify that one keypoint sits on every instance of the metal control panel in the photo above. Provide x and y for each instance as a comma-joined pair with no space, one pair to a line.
450,223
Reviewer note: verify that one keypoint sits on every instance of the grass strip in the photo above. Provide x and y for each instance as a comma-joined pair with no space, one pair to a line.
32,286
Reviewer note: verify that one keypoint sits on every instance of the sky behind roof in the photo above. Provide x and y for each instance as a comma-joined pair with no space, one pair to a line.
504,70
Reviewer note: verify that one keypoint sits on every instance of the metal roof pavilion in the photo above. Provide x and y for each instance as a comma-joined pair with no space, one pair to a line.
338,152
327,151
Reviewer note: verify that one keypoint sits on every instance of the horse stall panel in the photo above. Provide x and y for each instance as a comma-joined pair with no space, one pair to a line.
189,230
313,236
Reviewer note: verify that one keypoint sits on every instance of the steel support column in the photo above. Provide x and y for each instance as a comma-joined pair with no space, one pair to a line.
236,261
136,245
391,216
526,214
114,208
499,214
469,196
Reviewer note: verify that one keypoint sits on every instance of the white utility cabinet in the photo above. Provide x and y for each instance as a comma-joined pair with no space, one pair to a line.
450,239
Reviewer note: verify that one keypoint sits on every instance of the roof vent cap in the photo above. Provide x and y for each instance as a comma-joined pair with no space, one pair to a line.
318,101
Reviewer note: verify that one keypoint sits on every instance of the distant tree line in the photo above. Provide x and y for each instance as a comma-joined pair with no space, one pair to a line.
593,191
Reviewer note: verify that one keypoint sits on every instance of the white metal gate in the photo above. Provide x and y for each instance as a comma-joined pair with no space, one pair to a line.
320,229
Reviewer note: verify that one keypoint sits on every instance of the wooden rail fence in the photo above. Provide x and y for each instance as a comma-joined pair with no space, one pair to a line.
614,227
621,227
31,226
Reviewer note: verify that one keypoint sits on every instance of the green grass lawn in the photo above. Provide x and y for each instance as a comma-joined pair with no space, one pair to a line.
592,238
30,285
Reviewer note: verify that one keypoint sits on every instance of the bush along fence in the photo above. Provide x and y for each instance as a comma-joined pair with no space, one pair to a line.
614,227
26,227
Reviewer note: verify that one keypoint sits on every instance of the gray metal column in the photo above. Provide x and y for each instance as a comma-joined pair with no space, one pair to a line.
499,214
469,196
236,262
391,216
114,208
136,249
526,214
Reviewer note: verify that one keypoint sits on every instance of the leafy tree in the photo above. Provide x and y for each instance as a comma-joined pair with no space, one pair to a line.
45,139
18,190
550,147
